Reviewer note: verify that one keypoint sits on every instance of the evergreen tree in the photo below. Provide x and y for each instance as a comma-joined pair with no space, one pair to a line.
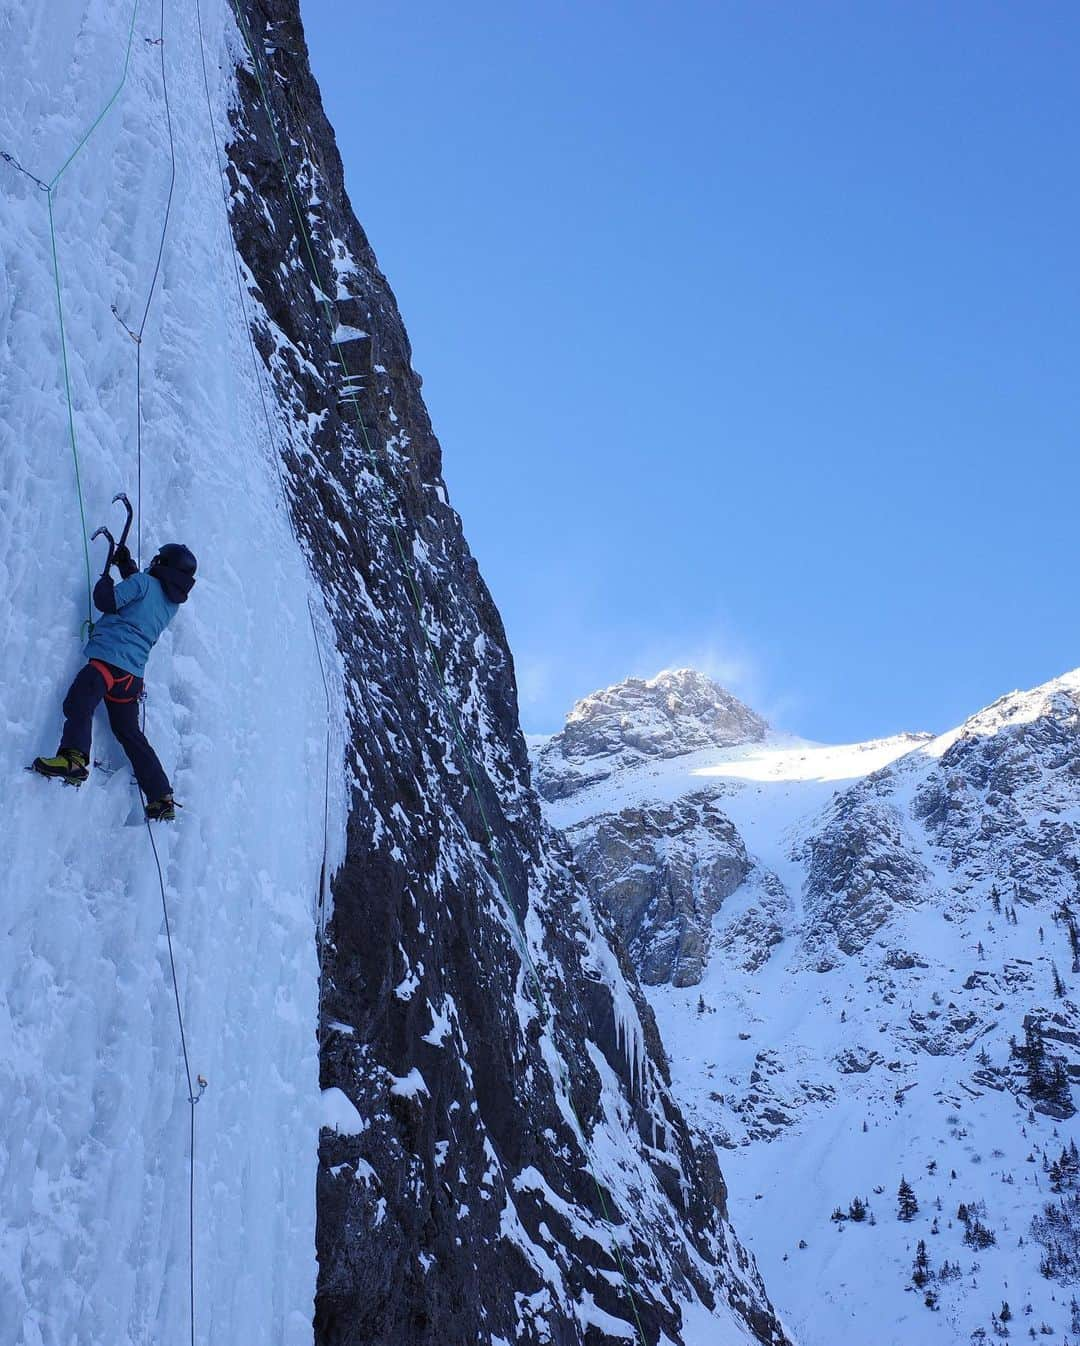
908,1206
995,899
1059,1091
1059,985
920,1272
1032,1059
857,1210
978,1236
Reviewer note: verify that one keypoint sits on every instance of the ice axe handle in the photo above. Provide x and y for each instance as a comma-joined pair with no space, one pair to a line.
104,532
122,498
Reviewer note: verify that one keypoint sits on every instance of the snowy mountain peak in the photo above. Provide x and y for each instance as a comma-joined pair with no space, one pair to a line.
1057,699
678,711
864,960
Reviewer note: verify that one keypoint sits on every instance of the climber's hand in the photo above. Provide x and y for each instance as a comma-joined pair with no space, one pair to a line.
124,562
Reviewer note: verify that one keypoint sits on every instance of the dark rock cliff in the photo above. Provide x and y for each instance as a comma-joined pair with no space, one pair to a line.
518,1171
663,871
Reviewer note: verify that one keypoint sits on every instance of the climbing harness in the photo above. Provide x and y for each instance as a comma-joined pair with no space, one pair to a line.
124,683
442,687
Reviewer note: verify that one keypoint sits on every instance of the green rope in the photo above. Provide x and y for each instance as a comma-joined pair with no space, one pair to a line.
89,624
101,115
49,189
432,653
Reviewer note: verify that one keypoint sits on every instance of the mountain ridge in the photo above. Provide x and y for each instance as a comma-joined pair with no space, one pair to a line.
894,1004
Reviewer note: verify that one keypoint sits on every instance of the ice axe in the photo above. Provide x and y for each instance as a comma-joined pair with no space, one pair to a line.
104,532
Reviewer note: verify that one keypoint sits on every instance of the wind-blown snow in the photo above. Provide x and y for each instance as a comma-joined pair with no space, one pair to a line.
94,1117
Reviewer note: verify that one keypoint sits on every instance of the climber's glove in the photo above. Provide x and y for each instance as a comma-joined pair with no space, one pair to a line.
124,562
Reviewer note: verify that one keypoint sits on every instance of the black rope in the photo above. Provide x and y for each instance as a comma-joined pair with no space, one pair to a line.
193,1097
275,454
172,963
137,337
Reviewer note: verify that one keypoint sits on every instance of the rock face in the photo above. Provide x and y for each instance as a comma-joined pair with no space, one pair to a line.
662,868
663,872
990,802
515,1160
667,716
860,865
892,990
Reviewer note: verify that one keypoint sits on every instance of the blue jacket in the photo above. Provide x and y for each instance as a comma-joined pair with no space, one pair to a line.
136,612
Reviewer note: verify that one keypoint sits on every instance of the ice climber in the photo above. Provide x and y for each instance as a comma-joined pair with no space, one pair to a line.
136,611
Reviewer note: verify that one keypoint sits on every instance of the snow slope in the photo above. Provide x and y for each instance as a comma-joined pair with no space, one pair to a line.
873,1041
768,788
94,1115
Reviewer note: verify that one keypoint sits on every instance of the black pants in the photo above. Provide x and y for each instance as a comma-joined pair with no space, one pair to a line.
122,703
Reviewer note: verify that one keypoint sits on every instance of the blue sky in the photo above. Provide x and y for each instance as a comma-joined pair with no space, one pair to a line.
750,332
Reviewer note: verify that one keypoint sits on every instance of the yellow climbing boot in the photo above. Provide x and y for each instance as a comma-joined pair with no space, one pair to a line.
162,810
69,765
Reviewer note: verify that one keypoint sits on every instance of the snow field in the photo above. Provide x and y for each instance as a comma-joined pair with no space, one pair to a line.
784,1190
93,1129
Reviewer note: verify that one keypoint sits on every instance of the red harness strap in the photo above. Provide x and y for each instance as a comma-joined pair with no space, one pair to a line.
125,684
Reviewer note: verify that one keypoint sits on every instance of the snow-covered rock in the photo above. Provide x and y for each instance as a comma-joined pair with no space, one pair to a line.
677,712
912,1012
663,871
